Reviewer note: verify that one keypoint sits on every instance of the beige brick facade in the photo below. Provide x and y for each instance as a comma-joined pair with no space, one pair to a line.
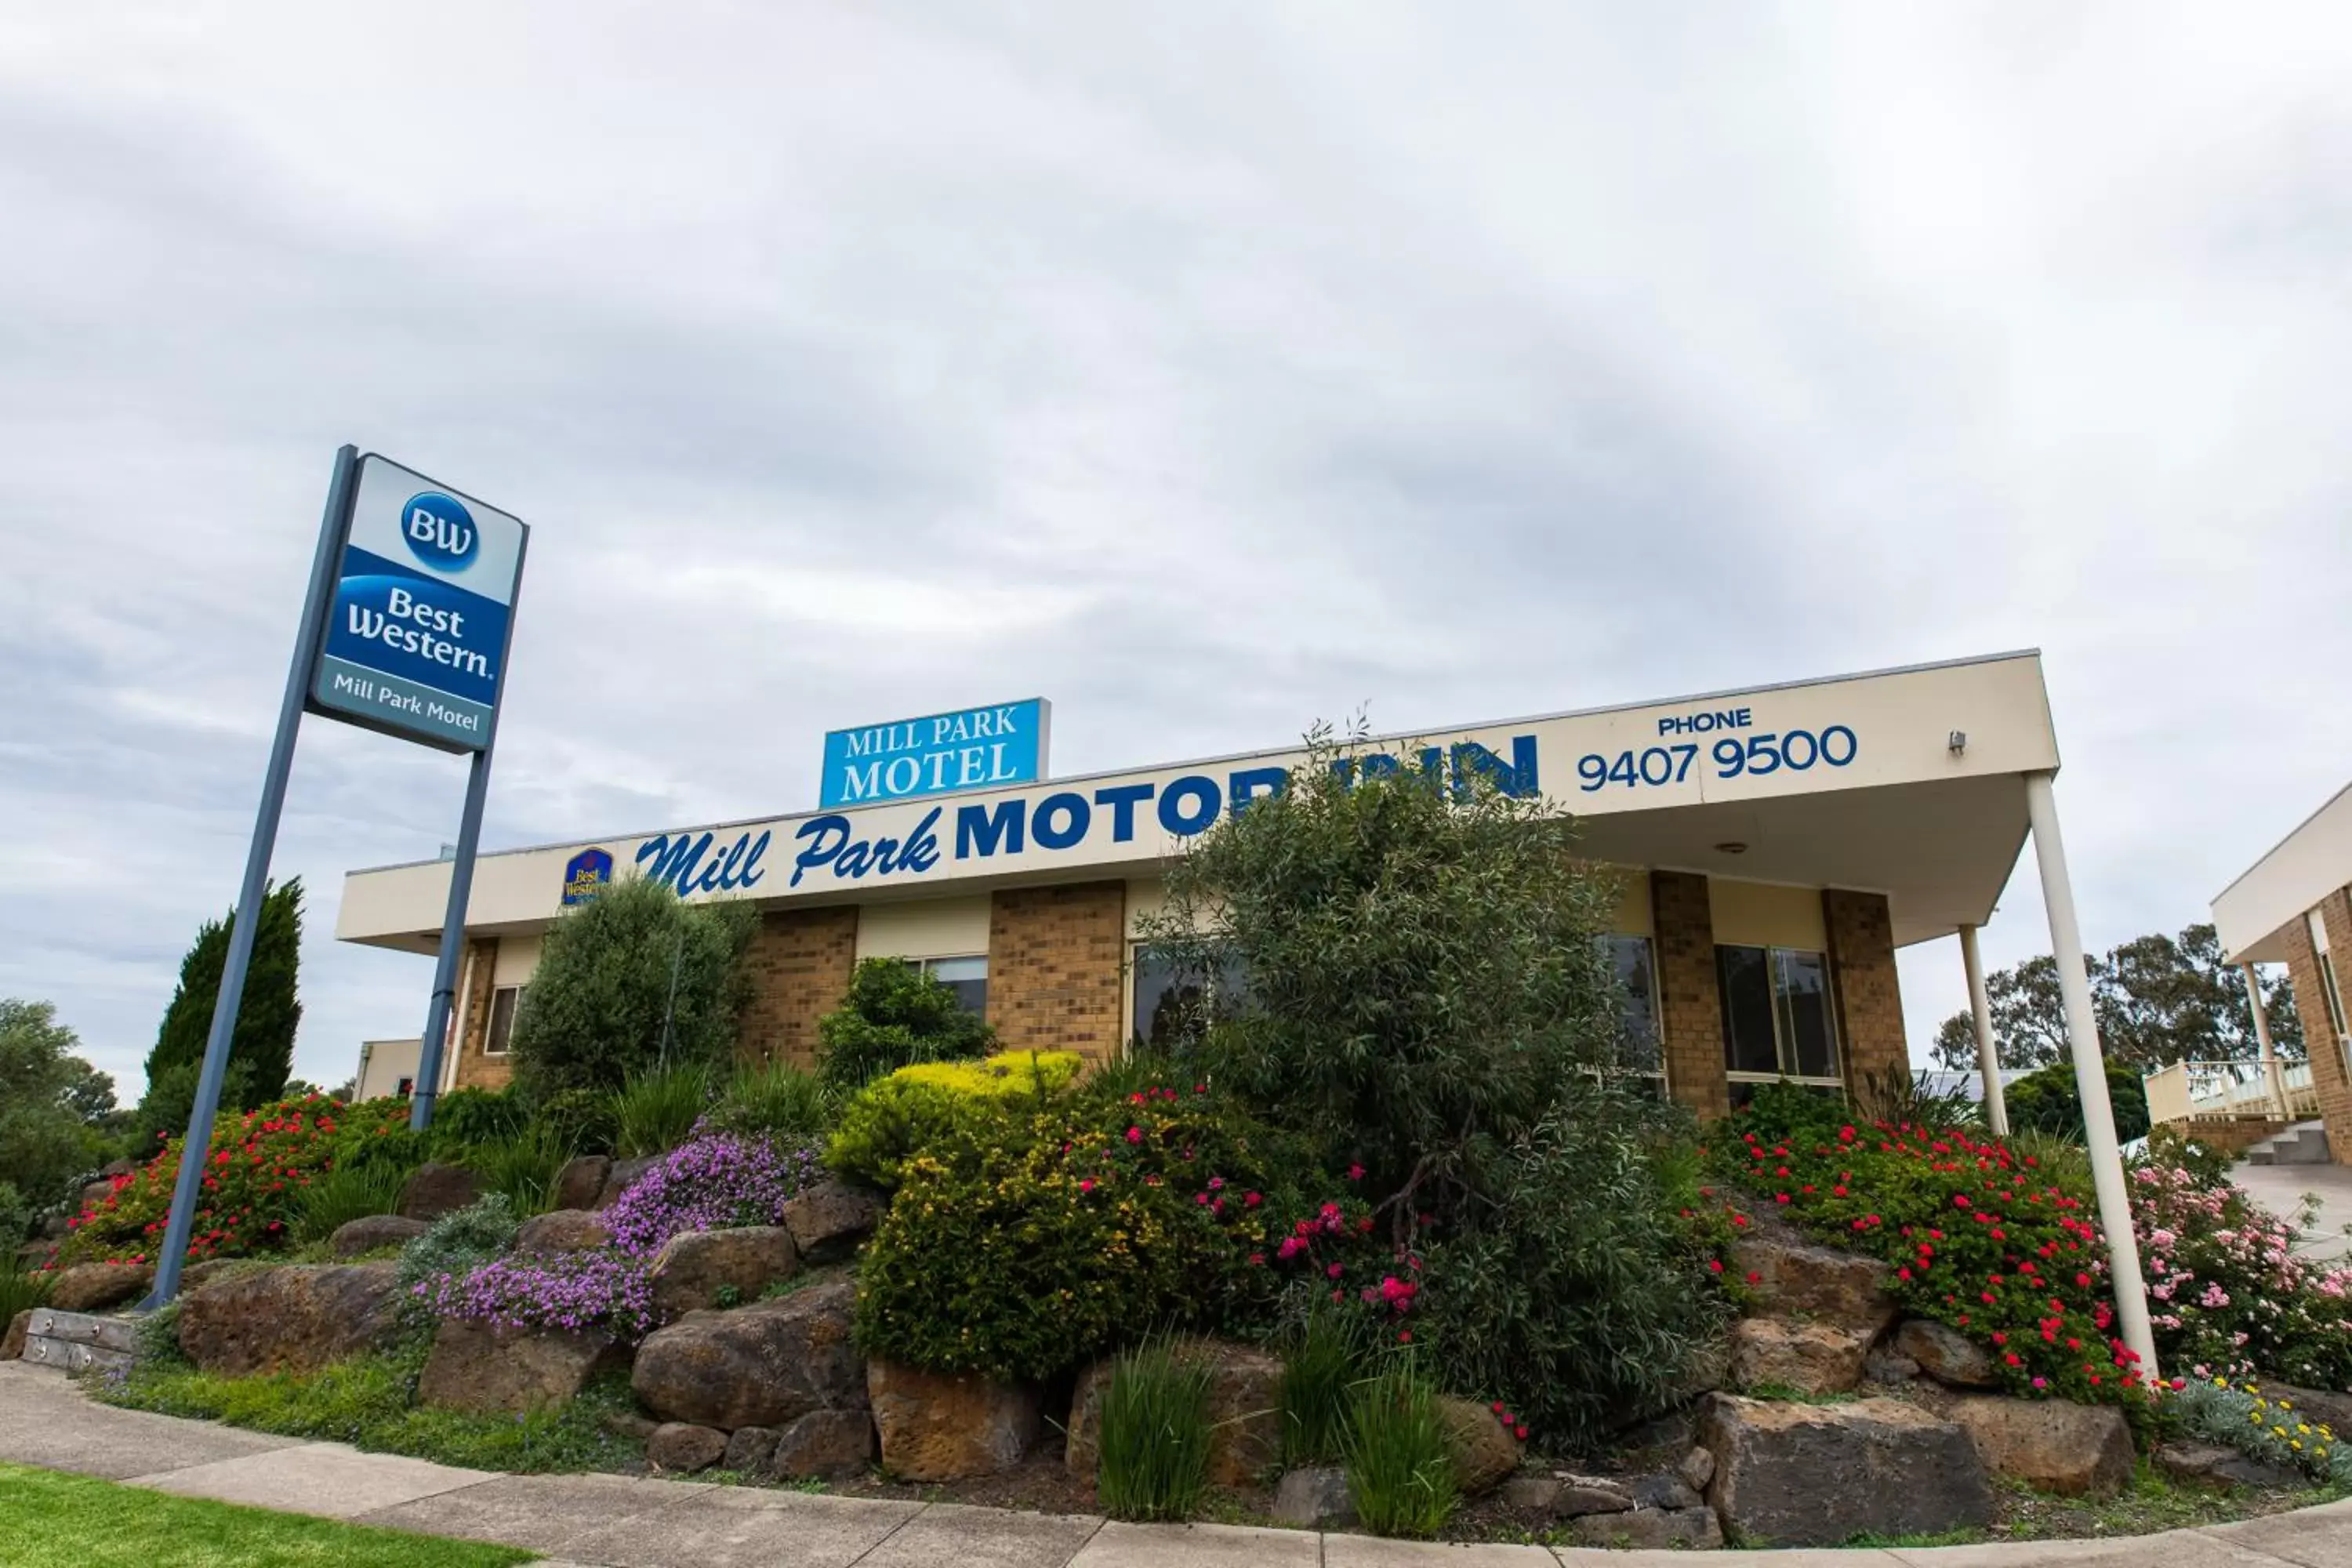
1690,1011
800,964
476,1070
2327,1077
1862,977
1056,968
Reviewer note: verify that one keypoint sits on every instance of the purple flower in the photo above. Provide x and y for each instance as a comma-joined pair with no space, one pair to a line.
572,1292
713,1182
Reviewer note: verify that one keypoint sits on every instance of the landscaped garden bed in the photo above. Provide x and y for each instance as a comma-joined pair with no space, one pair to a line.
1390,1245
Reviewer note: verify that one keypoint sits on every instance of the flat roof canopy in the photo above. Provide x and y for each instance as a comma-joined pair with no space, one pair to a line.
2251,914
1908,783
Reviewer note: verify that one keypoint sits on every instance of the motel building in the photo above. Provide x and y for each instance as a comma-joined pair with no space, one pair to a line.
1777,846
2290,907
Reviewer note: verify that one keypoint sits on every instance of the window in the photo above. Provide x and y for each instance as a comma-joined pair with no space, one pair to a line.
967,977
504,1001
2335,997
406,1088
1167,1006
1638,1047
1778,1020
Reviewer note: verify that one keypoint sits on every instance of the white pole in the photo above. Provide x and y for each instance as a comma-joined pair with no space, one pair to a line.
2090,1073
1988,1054
2270,1075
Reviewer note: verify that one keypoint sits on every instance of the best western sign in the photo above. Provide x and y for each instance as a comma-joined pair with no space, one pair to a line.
416,632
972,748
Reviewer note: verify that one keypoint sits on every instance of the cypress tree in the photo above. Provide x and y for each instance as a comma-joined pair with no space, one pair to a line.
261,1048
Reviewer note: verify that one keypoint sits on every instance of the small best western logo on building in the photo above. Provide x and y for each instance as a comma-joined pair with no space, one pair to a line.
585,875
972,748
416,635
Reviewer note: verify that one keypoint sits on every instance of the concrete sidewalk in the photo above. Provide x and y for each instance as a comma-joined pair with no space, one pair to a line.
2281,1189
617,1522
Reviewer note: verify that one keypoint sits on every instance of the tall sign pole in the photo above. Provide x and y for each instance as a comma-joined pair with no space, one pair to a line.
406,629
246,919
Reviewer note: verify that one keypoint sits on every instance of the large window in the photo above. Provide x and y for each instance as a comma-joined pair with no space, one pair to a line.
1638,1039
504,1001
967,977
1168,1006
1778,1020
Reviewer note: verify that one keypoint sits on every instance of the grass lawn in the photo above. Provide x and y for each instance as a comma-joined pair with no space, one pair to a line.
52,1520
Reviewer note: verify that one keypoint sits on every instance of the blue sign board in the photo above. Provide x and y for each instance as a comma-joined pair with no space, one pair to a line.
585,875
416,632
972,748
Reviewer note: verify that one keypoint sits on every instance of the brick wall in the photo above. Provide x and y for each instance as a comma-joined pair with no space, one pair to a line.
1690,1010
800,961
1056,968
2311,1004
1869,999
476,1070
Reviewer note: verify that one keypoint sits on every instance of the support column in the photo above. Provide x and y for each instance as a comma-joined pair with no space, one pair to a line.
2090,1074
2270,1075
1987,1053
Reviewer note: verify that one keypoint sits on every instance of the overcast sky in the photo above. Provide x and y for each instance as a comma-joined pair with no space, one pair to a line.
1207,368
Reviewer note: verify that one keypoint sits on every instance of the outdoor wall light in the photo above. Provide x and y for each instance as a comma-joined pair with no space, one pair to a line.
1960,741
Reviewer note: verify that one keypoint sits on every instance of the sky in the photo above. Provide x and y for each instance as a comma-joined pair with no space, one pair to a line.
1209,369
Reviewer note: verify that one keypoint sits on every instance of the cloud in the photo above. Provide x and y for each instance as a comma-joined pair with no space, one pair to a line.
1208,377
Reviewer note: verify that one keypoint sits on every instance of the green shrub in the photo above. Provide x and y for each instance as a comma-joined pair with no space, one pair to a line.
1152,1439
1021,1242
2265,1428
894,1016
350,1191
656,1110
521,1167
21,1291
894,1117
456,1244
778,1101
635,979
1585,1296
583,1117
1399,1465
158,1337
1321,1369
2050,1102
464,1117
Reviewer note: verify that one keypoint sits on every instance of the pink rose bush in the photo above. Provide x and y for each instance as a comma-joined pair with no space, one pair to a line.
2227,1295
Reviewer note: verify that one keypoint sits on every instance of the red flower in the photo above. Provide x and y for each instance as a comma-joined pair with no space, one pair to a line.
1520,1431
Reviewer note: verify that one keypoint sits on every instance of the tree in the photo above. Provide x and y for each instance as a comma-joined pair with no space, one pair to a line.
2048,1101
633,978
2156,999
892,1016
261,1047
48,1133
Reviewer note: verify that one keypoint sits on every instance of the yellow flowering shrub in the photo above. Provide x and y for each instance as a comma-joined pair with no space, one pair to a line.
894,1117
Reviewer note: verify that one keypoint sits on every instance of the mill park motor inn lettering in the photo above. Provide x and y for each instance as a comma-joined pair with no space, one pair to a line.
940,753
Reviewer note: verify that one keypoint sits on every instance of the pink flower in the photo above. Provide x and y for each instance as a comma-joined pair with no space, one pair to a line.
1086,1183
1332,1272
1356,1172
1135,1134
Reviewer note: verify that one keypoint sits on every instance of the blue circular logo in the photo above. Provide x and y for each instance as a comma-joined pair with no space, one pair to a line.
440,531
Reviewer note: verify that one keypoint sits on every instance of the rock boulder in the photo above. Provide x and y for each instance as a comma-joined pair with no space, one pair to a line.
1484,1451
96,1287
299,1318
830,1220
750,1451
823,1443
477,1367
619,1175
1798,1279
1651,1529
437,1189
681,1449
1244,1411
1945,1355
563,1230
940,1427
1314,1496
373,1232
695,1270
2216,1466
1814,1475
12,1348
762,1365
2050,1444
581,1182
1580,1495
1807,1359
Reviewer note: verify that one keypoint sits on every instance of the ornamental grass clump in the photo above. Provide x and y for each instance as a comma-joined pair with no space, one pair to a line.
712,1182
1320,1368
2264,1428
569,1292
1400,1467
347,1192
1152,1444
657,1110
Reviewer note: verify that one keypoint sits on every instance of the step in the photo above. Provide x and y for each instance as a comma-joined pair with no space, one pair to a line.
75,1342
2305,1144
